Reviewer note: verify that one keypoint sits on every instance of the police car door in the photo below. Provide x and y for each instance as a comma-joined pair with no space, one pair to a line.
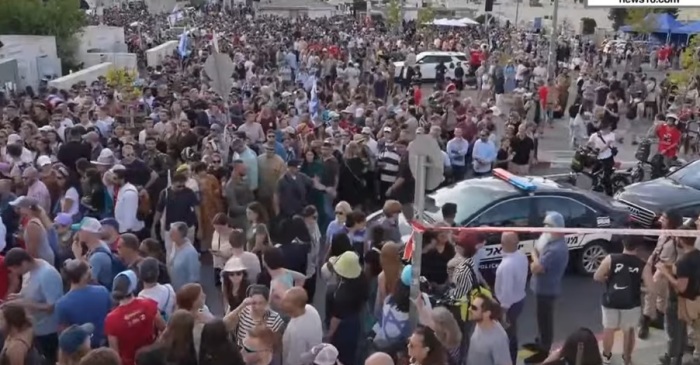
515,212
576,215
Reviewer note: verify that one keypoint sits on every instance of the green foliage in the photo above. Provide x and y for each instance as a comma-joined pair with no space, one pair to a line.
59,18
618,16
481,19
690,64
588,25
425,15
393,16
641,21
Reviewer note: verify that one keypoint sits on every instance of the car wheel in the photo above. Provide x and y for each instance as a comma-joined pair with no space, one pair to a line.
590,257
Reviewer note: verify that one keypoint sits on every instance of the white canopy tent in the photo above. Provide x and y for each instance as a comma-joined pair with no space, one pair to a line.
468,21
460,23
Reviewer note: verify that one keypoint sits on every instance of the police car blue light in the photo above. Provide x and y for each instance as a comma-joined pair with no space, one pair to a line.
517,181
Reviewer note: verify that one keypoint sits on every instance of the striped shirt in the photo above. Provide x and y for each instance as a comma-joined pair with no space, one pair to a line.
463,279
246,323
388,165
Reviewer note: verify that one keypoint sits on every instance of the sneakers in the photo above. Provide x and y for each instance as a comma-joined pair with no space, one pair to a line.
643,333
607,358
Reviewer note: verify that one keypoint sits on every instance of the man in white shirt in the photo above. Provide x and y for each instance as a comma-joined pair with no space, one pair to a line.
540,73
511,280
127,204
370,142
457,149
304,330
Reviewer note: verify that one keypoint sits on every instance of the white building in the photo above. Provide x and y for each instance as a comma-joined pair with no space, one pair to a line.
297,8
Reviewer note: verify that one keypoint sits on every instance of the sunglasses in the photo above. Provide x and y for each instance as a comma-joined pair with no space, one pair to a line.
216,161
473,307
252,351
339,213
236,273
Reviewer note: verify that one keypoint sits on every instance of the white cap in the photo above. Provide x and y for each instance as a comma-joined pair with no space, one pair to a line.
13,138
43,160
91,225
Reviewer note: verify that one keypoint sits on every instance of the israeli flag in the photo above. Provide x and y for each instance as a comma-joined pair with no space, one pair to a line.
313,102
182,46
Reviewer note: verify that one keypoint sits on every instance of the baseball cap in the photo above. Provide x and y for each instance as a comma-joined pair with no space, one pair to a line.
88,224
43,160
70,340
322,354
24,202
63,219
110,222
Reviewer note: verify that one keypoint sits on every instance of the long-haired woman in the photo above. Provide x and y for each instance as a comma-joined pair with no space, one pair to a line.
221,249
191,298
580,344
424,347
177,340
36,228
234,283
69,198
217,347
17,328
390,259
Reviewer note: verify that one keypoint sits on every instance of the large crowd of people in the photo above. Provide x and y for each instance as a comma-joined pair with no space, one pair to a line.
114,197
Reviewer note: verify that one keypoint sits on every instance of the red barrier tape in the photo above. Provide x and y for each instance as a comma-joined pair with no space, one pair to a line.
419,227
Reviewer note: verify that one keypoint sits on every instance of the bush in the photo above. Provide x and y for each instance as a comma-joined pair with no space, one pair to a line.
588,25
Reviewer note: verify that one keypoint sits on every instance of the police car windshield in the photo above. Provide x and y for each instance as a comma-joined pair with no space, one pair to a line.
470,196
688,175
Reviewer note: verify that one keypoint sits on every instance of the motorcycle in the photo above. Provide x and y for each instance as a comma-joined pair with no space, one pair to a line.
585,163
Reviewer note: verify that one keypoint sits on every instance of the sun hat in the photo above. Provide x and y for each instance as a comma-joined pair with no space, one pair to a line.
234,264
70,340
346,265
63,219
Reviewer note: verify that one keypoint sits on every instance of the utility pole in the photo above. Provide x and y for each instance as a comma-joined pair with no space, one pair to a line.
420,176
517,12
552,60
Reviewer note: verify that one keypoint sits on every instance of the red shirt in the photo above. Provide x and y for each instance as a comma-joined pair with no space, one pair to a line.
669,138
4,279
543,92
133,325
417,96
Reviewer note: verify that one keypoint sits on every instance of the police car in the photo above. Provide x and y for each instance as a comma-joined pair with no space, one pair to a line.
506,200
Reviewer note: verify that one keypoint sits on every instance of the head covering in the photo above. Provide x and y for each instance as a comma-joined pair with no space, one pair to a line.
13,138
106,158
43,160
24,202
89,224
74,336
110,222
347,265
554,219
63,219
234,264
133,282
322,354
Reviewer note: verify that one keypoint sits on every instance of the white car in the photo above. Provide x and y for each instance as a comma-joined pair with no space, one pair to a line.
428,61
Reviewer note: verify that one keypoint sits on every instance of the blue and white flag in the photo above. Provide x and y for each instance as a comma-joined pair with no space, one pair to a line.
313,102
182,47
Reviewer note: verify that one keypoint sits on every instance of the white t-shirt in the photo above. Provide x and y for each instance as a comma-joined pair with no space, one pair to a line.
72,194
164,295
600,141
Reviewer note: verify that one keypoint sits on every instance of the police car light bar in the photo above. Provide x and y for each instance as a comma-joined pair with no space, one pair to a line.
517,181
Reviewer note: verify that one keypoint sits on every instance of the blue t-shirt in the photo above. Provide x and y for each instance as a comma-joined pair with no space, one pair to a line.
44,286
85,305
554,259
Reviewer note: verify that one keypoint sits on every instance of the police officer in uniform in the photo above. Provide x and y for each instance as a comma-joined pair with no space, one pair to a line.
622,274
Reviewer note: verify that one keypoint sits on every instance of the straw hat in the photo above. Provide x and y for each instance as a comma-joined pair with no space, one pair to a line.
346,265
234,264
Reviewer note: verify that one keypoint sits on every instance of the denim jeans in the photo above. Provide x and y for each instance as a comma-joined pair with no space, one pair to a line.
676,331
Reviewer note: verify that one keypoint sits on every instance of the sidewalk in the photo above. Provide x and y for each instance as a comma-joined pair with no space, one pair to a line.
646,352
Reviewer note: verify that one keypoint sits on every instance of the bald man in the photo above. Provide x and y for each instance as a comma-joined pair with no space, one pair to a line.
511,280
379,358
304,330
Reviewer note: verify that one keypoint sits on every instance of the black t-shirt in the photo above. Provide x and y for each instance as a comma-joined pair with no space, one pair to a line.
140,172
72,151
522,147
434,264
688,266
179,206
404,194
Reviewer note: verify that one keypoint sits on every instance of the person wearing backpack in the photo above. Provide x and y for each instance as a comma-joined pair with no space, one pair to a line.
89,247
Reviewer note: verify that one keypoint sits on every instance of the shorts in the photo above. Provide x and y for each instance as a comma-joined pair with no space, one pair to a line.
621,318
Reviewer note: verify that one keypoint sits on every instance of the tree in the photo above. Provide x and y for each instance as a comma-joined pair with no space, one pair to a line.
393,16
618,16
425,15
588,25
481,19
690,67
641,21
59,18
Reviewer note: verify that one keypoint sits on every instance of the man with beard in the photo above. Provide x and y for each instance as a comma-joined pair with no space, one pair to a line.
550,257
